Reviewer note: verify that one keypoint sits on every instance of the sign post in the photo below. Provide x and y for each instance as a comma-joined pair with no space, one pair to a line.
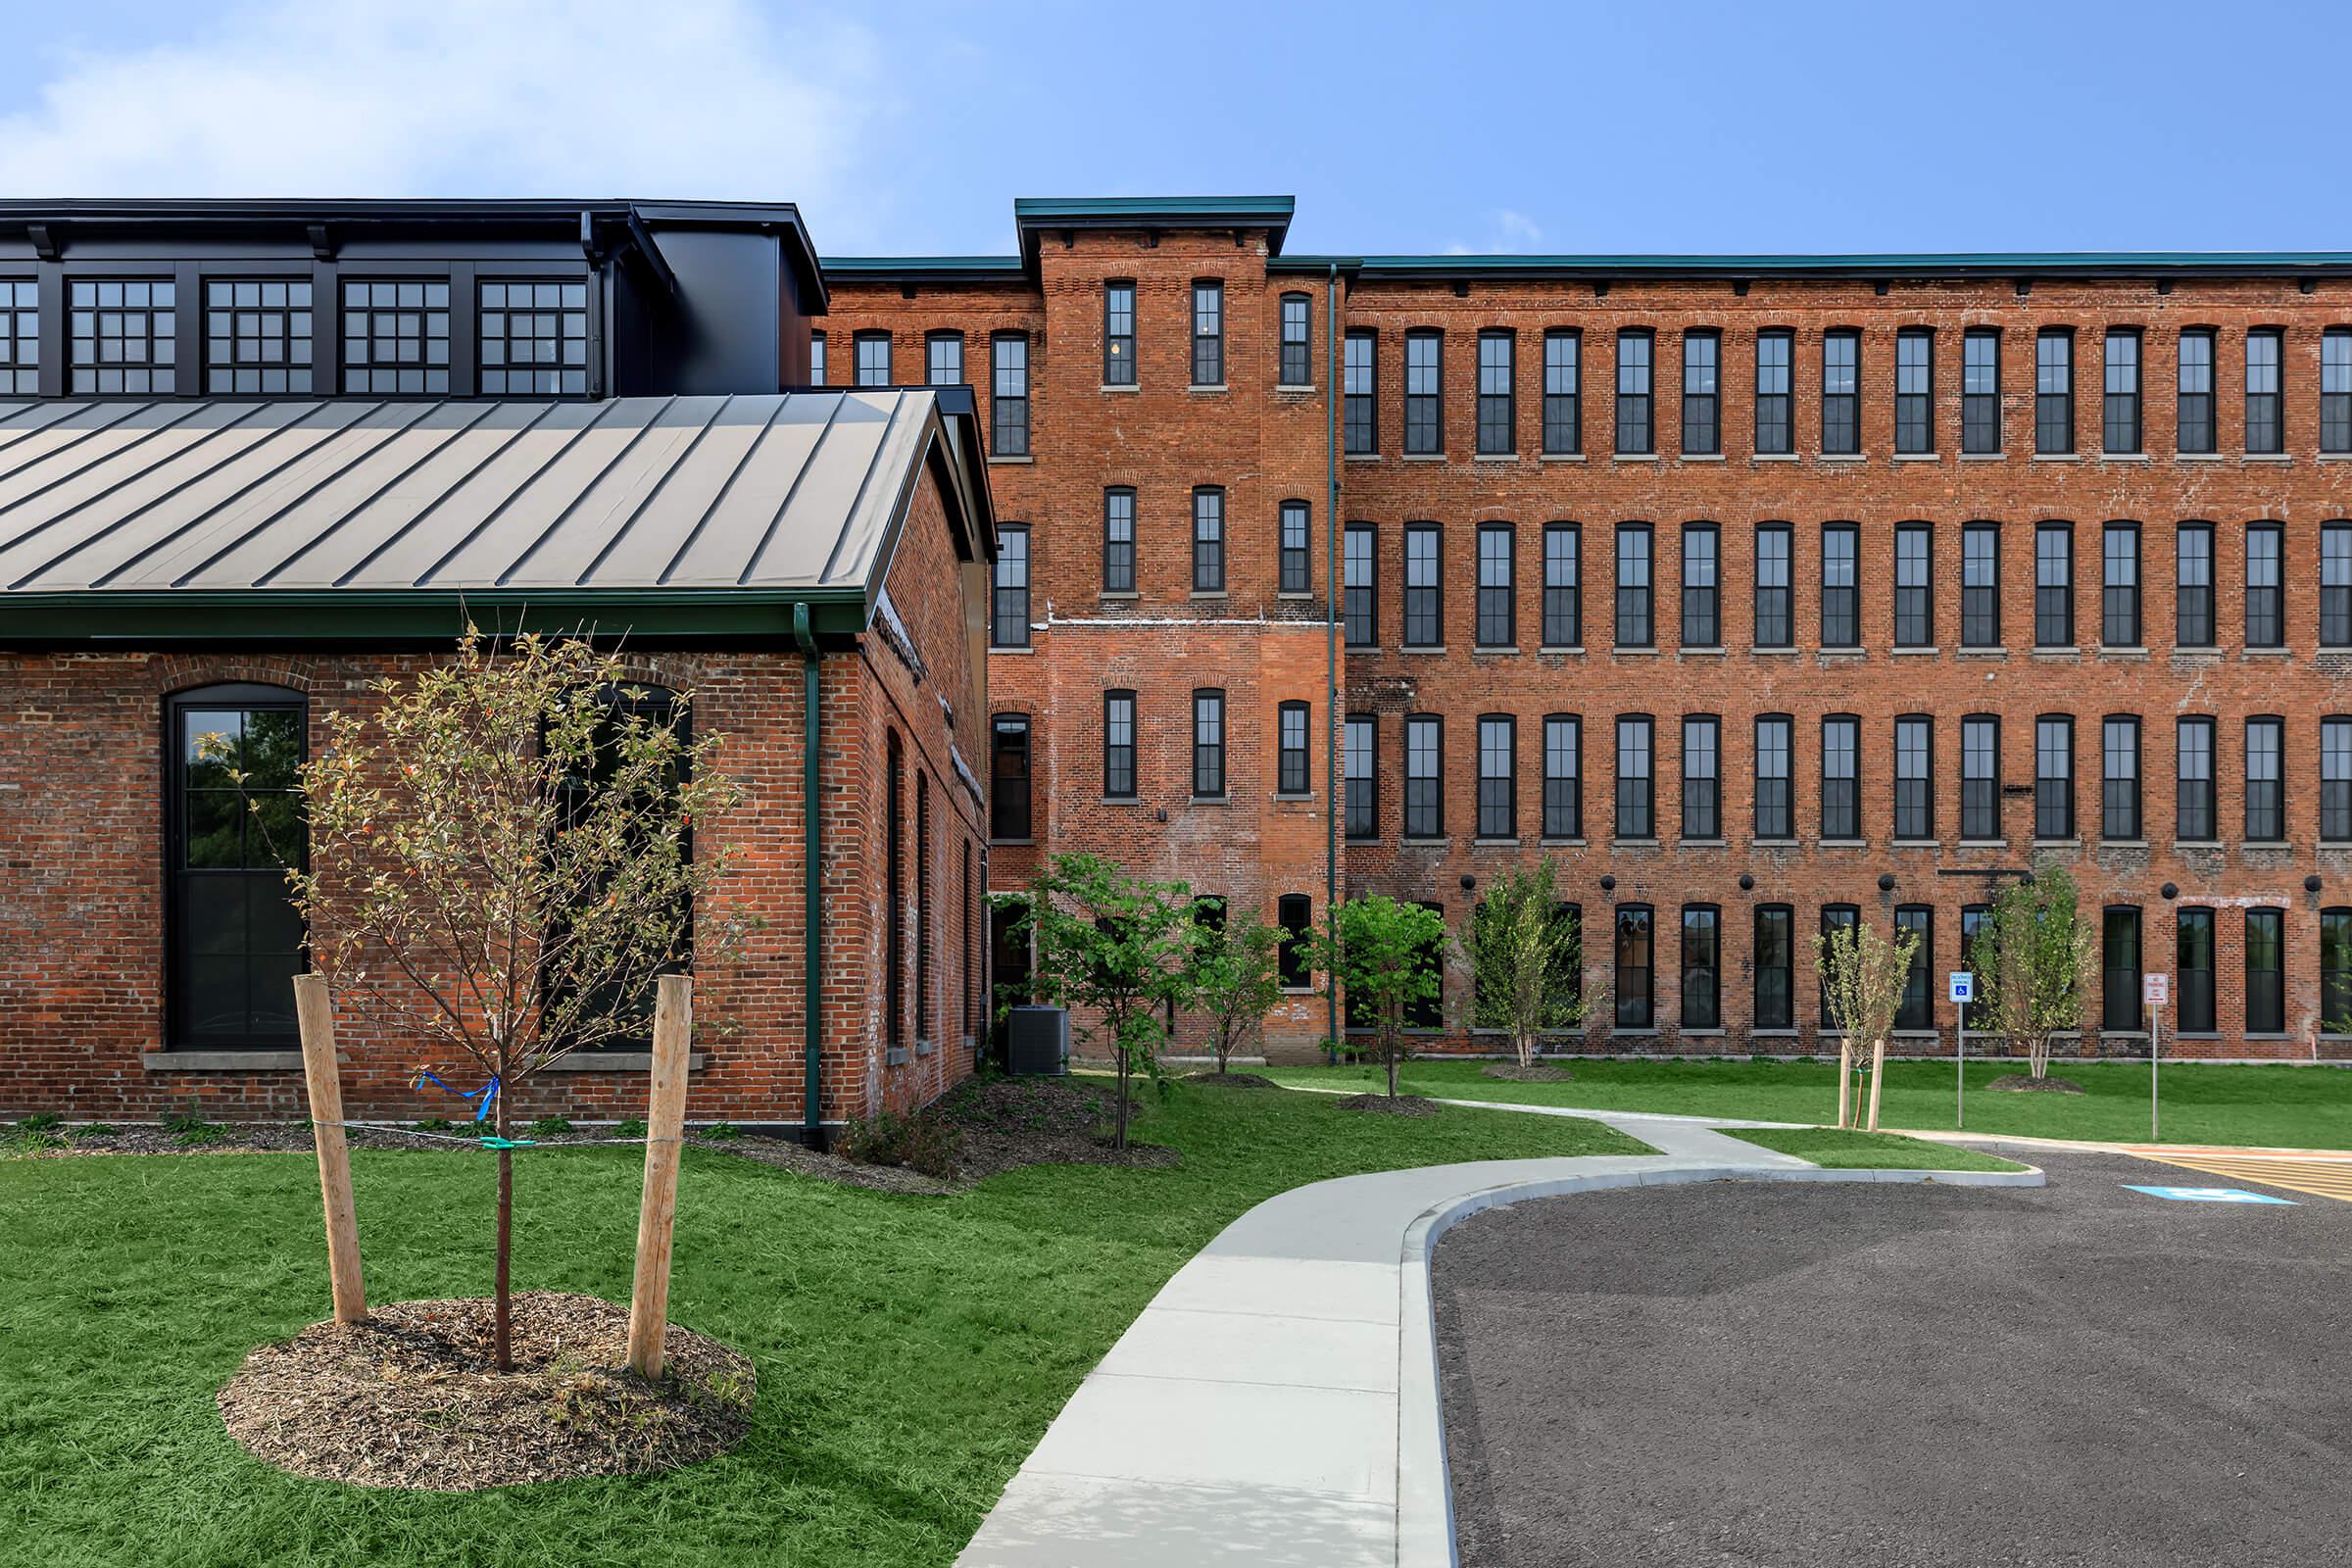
2155,990
1964,992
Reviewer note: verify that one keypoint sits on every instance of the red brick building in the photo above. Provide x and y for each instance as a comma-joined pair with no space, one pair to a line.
1761,592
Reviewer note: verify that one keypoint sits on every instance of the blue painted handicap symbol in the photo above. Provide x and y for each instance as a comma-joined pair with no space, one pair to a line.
2210,1195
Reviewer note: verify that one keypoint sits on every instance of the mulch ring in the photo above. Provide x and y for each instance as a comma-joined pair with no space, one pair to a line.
1003,1124
408,1397
1542,1072
1232,1080
2026,1084
1391,1106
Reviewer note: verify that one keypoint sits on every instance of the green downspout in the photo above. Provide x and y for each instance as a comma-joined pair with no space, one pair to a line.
1331,639
811,851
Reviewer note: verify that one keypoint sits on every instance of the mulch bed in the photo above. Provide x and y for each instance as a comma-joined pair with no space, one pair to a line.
1003,1124
1542,1072
2026,1084
1232,1080
1384,1105
409,1398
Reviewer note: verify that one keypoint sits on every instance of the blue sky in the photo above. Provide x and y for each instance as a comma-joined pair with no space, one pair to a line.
909,127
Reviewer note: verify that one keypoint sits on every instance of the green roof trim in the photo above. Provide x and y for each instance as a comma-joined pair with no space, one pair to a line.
1887,264
923,269
1032,215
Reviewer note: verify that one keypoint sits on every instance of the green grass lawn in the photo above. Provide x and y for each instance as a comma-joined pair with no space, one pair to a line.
2301,1108
1841,1149
911,1350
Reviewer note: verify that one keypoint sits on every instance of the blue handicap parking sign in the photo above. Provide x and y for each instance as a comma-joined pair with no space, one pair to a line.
2210,1195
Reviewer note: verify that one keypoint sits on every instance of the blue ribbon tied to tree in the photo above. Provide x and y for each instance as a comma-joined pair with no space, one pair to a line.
481,1111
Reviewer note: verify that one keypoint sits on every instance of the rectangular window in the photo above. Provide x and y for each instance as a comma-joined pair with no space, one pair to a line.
2120,413
2335,390
1840,392
1118,541
1009,778
396,338
1118,334
2192,782
257,336
2266,972
2264,427
1358,576
1703,967
1295,550
21,337
1702,397
1776,616
2118,586
1835,917
1424,392
2054,390
943,359
1636,966
1980,391
1563,586
1563,393
2266,609
1980,585
2193,599
1424,779
1498,776
1914,776
1702,620
1294,915
2336,585
1914,598
1917,1010
1497,397
872,367
2119,780
816,346
1774,423
1976,1015
1841,777
2265,803
2196,406
1563,777
1633,433
1008,620
1424,609
2054,585
1702,777
1358,417
1840,586
1776,966
1208,540
1208,334
1635,818
1633,586
1980,777
1498,624
2194,957
1118,745
1915,390
125,336
1291,732
1296,366
2054,777
1776,812
1208,744
1008,432
2335,971
1362,757
2336,780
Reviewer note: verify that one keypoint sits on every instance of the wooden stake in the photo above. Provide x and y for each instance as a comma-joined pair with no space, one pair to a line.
1845,1082
1878,1071
315,1010
665,1128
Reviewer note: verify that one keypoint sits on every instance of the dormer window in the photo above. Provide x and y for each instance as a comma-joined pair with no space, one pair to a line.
257,336
534,340
396,338
125,336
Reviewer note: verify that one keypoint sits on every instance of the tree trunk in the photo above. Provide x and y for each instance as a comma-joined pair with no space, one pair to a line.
1878,1071
1389,1049
1118,1039
1526,1041
1846,1080
502,1342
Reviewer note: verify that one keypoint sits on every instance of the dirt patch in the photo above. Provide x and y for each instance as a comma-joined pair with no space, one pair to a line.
2018,1083
1003,1124
1232,1080
1542,1072
1386,1106
409,1398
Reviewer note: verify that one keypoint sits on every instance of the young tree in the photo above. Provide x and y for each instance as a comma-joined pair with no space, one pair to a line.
1385,954
1114,947
1236,979
2032,959
1862,977
1524,951
501,863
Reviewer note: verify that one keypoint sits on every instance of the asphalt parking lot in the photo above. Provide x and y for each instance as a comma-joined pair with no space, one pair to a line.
1882,1375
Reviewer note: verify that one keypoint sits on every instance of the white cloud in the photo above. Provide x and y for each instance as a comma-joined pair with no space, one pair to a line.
1511,232
673,98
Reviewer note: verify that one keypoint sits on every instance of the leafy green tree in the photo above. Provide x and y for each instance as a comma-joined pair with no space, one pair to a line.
1525,953
1862,976
1236,979
2033,960
1385,954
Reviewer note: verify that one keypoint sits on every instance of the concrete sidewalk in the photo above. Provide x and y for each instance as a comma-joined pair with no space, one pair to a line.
1277,1402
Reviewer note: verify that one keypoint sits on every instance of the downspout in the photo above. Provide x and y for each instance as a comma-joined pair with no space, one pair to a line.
811,851
1331,641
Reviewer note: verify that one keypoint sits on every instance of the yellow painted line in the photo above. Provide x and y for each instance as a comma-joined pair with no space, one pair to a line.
2317,1178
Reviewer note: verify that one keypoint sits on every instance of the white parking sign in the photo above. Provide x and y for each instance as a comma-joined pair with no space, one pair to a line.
2155,990
1963,986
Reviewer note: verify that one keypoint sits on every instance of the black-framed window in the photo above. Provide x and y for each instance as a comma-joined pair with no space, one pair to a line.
1702,967
1361,763
1497,394
2119,585
817,347
1915,390
1008,616
1980,585
2119,778
125,335
1776,806
1975,1014
1118,334
1841,777
1636,956
1703,594
1359,404
2335,971
235,939
2335,390
1498,776
1424,776
2193,795
1635,434
1980,777
1118,540
2119,421
893,895
872,365
1840,391
2336,585
1118,745
2266,971
1563,776
1981,390
1497,585
1703,776
1008,399
1294,918
1914,776
1563,392
925,921
1702,393
1634,629
2264,776
21,336
2266,594
1291,730
1208,540
1208,333
1774,972
2193,960
2336,779
943,359
1775,424
1209,743
1296,366
2054,777
1835,917
1637,816
1563,585
531,339
1917,1010
1840,586
1293,538
2194,407
1359,577
1423,603
1424,391
2054,390
1009,778
1914,585
2192,594
2054,585
256,335
1776,594
2265,421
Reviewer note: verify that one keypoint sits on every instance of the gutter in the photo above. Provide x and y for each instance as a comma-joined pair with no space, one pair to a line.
1331,636
812,880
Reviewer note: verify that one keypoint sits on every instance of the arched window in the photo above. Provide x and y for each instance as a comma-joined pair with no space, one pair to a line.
234,825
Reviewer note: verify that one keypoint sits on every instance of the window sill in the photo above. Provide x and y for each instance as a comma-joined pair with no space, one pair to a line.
2057,844
1307,595
2118,651
2270,846
1117,390
2057,457
1285,386
1772,457
1690,1033
1562,650
1919,457
1014,844
1208,593
1645,1031
1495,457
1984,457
1510,842
1010,461
1916,653
2266,456
220,1060
1773,1034
2196,844
1362,456
1981,653
2333,456
1714,652
1300,991
1563,457
1632,457
613,1061
1293,795
1634,650
1006,648
1984,844
1841,844
2122,844
1634,844
1844,457
1779,651
2122,457
1422,648
2196,456
1915,844
1776,844
1206,386
1493,650
1845,650
1560,844
895,1057
1704,843
1120,593
2056,653
926,1048
1702,457
2266,653
1421,457
1208,799
1417,842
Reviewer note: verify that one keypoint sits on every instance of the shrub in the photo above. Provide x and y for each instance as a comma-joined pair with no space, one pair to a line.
720,1131
42,1121
548,1127
634,1127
